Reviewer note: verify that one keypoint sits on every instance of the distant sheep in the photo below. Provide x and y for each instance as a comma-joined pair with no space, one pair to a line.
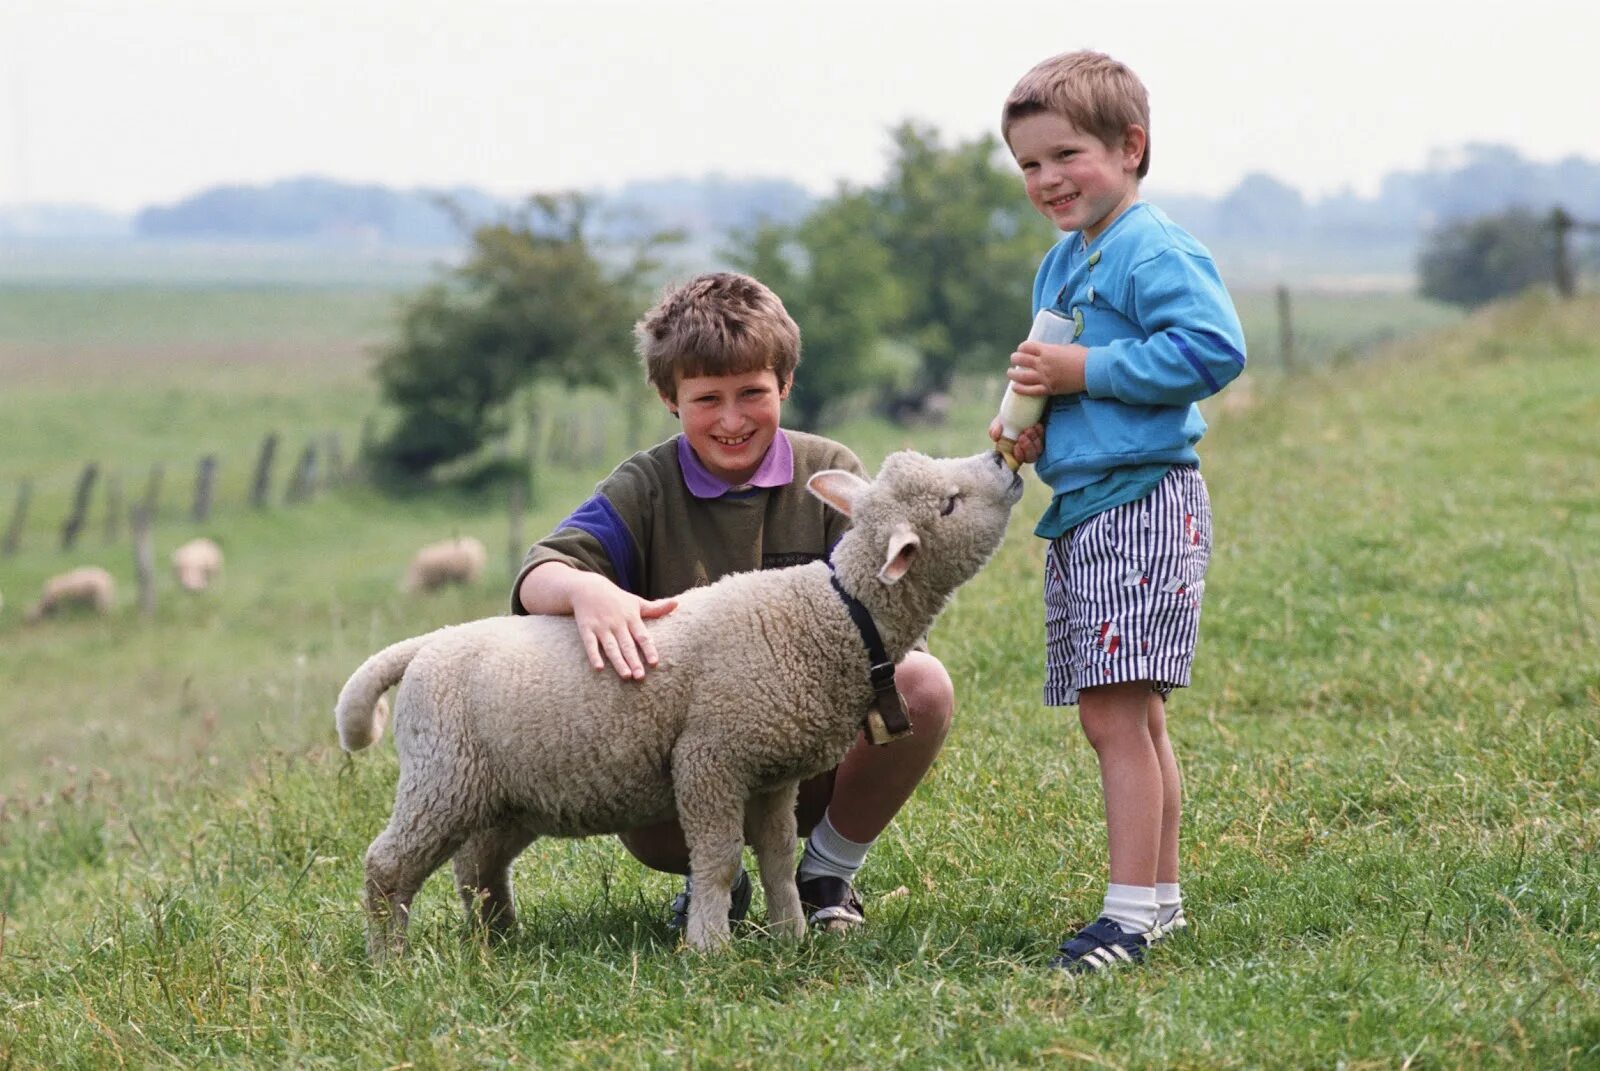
196,564
506,734
454,561
88,585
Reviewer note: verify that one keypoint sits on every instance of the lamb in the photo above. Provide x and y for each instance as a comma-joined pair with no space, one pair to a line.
453,561
505,734
196,564
87,585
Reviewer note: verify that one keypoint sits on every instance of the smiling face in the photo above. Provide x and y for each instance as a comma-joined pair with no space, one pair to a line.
1074,179
730,421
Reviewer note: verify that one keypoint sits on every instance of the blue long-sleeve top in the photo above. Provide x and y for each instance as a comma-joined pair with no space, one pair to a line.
1162,334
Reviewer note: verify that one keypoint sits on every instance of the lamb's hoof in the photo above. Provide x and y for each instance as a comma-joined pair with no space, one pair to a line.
706,943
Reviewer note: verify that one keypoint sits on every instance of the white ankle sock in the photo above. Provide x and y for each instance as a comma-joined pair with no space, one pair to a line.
1168,901
829,853
1133,907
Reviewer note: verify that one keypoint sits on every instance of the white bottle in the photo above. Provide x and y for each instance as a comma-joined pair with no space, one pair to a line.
1019,412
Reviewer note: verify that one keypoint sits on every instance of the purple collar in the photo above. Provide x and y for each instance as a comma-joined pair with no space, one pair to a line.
775,470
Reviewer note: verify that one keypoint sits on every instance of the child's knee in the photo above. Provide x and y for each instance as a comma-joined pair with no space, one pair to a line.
928,692
659,847
1115,714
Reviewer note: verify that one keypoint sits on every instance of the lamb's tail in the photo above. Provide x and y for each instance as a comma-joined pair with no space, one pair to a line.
361,710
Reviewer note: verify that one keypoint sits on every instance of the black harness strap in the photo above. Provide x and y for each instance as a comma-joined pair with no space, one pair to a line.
887,705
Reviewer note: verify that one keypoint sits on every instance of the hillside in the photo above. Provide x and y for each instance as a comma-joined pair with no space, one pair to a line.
1389,752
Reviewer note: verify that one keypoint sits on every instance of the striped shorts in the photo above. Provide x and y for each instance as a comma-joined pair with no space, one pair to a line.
1122,592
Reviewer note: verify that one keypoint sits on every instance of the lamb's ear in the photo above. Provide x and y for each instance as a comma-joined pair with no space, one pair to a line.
903,548
837,488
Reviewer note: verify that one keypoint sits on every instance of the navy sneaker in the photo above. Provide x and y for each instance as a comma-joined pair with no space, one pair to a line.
1163,930
1100,944
738,906
830,903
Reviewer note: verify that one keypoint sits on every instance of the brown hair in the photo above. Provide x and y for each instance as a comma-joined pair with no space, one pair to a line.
717,324
1090,90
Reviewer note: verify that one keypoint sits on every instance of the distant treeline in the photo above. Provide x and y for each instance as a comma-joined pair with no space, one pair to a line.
1475,180
324,210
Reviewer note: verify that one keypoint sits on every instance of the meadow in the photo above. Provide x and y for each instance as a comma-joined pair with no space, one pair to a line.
1390,752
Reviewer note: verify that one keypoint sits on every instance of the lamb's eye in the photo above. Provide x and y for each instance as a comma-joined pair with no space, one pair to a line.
950,506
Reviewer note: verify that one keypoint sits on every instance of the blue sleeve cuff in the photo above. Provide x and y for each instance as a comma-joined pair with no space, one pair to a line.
599,518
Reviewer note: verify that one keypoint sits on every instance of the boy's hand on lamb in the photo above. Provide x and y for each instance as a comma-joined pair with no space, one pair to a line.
1040,368
611,623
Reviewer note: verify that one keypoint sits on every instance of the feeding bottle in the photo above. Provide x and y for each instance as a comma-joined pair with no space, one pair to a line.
1019,412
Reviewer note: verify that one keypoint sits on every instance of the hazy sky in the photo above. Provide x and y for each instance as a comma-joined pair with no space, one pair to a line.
124,104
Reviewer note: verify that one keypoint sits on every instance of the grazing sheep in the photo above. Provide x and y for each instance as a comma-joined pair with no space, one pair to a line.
87,585
506,734
454,561
196,564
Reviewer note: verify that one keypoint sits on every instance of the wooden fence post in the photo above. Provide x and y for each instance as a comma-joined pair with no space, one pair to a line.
80,506
144,559
530,447
304,483
1561,223
205,477
517,505
19,514
1285,330
368,443
333,468
263,477
152,491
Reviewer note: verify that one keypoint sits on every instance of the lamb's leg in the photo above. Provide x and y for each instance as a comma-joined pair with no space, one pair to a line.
483,875
769,826
414,845
711,811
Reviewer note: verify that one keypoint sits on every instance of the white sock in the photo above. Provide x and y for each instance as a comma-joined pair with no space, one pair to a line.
829,853
1133,907
1168,901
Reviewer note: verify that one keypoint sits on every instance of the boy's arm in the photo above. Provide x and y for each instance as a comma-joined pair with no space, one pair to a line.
610,621
1194,345
590,566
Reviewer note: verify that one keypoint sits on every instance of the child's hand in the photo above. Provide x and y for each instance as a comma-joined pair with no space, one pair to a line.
1029,445
1039,368
611,623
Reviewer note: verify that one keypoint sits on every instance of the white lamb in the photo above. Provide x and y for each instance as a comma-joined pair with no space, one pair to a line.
453,561
196,564
87,585
505,734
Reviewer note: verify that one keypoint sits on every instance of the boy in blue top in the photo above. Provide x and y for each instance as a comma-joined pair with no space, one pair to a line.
1130,521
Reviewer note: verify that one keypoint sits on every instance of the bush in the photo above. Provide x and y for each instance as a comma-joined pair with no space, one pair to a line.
1472,262
532,301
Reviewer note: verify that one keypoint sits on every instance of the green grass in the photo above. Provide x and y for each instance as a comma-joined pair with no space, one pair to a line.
1393,789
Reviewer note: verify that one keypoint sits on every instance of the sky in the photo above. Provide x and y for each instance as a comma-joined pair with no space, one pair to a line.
123,105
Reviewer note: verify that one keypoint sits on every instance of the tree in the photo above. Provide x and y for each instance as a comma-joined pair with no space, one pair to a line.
964,243
532,300
834,278
1470,262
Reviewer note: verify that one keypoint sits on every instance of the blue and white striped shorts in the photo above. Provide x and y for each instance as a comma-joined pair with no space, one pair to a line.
1122,592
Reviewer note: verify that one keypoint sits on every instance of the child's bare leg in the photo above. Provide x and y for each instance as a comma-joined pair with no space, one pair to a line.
874,782
1171,792
1116,719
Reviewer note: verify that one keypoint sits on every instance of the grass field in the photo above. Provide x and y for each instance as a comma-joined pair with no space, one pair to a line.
1393,799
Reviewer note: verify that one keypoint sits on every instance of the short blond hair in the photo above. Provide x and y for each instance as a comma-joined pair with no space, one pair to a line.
717,324
1090,90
